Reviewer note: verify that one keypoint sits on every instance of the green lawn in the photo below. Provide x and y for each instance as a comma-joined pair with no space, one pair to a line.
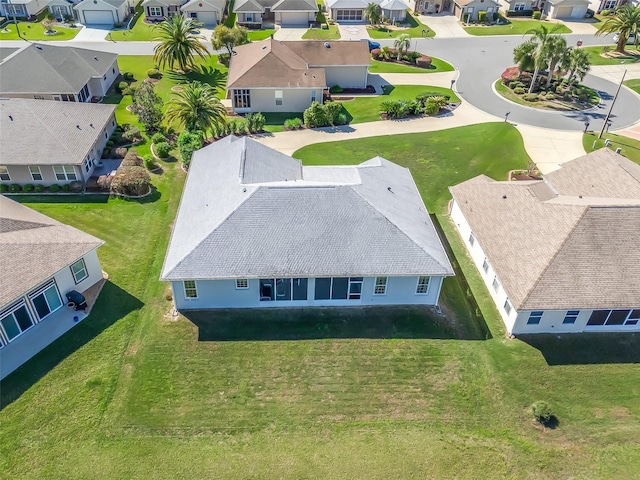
596,59
437,66
140,31
414,30
366,109
255,35
275,120
132,392
516,27
633,85
332,33
630,147
34,31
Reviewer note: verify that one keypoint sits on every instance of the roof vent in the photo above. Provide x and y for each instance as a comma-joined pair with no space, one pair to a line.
389,189
504,197
78,127
95,58
264,47
91,125
327,45
11,117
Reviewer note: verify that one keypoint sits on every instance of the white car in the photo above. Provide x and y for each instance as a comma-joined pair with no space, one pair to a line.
630,40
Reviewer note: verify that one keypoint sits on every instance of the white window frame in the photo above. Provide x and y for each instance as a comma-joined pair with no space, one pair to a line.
75,273
610,4
353,281
518,7
570,317
495,284
193,288
313,96
279,95
535,317
41,291
4,337
4,173
155,11
380,285
485,265
242,284
65,173
472,239
34,170
422,287
87,164
242,98
507,306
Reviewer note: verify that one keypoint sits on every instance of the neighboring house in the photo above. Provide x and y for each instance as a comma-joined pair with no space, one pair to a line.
46,142
351,11
562,254
265,13
599,5
68,74
274,76
520,5
565,8
107,13
42,260
207,12
22,8
255,228
157,10
62,9
467,10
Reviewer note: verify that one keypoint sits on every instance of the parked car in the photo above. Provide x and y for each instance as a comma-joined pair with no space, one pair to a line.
373,45
630,40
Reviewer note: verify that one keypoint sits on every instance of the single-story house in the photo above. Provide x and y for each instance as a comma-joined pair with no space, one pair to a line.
157,10
351,11
22,8
62,9
42,261
519,5
274,76
67,74
46,142
561,254
107,13
207,12
565,8
286,13
599,5
467,10
256,228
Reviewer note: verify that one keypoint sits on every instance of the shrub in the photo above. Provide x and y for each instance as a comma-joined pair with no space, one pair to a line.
131,159
54,188
255,122
236,126
109,144
154,73
537,14
15,188
423,61
128,76
510,74
396,108
148,162
332,110
606,13
293,123
530,97
315,116
412,56
132,134
342,119
65,187
482,16
550,96
104,182
28,188
162,149
76,186
336,89
423,97
130,90
39,188
188,142
519,90
513,85
121,86
158,138
541,411
375,53
566,95
133,181
4,188
223,59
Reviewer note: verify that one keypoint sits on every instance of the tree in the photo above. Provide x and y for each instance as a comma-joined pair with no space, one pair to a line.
229,38
179,42
555,51
576,63
197,108
536,48
402,43
49,22
148,106
626,21
373,13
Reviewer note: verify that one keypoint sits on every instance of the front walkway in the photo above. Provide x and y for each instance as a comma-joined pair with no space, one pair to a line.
352,31
445,25
580,27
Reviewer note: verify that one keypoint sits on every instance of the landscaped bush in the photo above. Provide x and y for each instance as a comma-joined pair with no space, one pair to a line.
4,188
130,90
255,122
39,188
537,14
318,115
131,159
516,84
342,119
293,123
66,187
530,97
518,13
336,89
128,76
104,182
162,149
550,96
425,96
76,186
154,73
236,126
434,104
424,61
396,108
158,138
188,142
511,74
109,144
375,53
133,181
541,411
411,56
15,188
121,86
482,16
149,164
519,90
54,188
223,59
132,134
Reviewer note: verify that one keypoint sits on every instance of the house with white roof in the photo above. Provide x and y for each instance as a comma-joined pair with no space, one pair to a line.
562,254
266,13
42,260
256,228
351,11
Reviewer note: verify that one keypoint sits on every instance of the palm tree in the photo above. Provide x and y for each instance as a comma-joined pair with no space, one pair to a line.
523,55
626,21
179,42
555,50
196,107
576,63
373,13
402,43
539,38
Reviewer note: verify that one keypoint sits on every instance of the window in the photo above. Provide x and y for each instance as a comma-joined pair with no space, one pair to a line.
381,286
313,96
106,135
155,12
79,271
13,322
87,164
38,97
36,176
469,9
507,306
472,239
423,285
249,17
283,289
194,15
338,288
278,97
614,317
610,4
65,172
242,98
190,290
113,70
349,15
46,301
519,7
634,317
4,173
355,288
485,266
84,94
534,318
571,317
242,283
495,284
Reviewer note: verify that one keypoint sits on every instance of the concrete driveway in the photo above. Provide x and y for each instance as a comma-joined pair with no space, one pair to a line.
290,34
353,31
445,25
92,34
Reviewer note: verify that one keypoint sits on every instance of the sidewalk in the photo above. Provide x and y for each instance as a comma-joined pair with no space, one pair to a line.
613,73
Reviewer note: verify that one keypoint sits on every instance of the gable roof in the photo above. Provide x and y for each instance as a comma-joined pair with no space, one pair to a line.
43,68
569,241
249,211
46,132
217,5
33,247
252,5
114,4
295,6
386,4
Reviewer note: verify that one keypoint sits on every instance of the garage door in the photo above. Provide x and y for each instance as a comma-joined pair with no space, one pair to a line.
563,12
209,19
295,19
98,17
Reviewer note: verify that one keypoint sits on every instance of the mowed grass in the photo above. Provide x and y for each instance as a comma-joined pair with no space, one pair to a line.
516,27
632,55
139,31
633,85
414,29
437,65
34,31
133,392
367,109
630,147
256,35
331,33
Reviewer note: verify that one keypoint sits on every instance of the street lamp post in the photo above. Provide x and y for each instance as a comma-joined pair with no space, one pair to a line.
15,20
606,119
586,126
453,81
506,116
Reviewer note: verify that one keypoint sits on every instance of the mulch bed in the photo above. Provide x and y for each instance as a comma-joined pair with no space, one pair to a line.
369,89
513,176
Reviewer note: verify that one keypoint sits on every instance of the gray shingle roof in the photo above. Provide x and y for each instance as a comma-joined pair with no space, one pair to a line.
567,242
33,247
46,132
345,222
252,5
295,6
49,69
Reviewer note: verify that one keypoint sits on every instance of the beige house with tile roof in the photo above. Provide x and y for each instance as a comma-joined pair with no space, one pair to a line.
42,261
467,10
562,254
266,13
274,76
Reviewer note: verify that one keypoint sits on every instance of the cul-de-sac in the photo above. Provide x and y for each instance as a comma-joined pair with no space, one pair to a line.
320,239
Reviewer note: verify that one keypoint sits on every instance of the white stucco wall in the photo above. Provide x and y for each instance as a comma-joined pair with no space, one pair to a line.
223,294
293,100
346,77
